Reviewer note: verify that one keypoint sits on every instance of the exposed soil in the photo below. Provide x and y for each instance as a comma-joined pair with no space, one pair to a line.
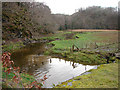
113,37
89,30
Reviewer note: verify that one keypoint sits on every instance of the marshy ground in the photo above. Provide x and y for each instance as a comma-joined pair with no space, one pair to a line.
88,48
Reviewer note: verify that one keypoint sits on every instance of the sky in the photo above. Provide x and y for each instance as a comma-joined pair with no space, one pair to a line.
69,6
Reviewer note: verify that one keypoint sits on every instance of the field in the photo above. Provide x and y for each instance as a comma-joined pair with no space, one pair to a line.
84,47
93,47
87,40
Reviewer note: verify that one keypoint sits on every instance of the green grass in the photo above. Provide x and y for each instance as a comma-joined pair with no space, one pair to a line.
87,39
106,76
85,42
87,58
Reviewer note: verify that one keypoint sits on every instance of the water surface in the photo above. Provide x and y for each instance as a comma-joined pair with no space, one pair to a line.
32,60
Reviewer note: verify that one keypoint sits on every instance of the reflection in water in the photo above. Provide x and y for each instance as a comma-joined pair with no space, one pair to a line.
59,59
50,61
70,62
85,68
42,63
73,65
56,70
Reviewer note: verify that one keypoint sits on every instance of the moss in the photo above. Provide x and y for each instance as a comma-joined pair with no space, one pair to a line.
106,76
86,58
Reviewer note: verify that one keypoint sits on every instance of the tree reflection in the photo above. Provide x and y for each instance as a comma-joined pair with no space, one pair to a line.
50,61
85,68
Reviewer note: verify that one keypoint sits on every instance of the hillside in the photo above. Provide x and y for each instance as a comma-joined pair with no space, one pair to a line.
25,21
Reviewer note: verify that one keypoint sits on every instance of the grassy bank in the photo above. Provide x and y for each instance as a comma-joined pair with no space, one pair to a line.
84,57
106,76
94,47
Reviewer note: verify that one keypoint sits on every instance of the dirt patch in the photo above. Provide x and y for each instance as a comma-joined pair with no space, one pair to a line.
89,30
111,37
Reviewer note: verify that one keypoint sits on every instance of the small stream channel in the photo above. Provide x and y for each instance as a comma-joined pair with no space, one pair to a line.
32,60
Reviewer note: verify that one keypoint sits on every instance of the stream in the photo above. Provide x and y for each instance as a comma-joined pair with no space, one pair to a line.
32,60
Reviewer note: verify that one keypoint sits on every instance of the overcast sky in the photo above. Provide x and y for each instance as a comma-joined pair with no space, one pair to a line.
69,6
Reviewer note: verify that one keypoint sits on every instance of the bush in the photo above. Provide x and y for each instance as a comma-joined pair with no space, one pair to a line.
12,78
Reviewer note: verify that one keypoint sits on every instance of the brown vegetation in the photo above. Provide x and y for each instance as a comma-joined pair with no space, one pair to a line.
90,30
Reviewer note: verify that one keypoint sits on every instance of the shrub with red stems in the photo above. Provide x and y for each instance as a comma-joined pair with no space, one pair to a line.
8,67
